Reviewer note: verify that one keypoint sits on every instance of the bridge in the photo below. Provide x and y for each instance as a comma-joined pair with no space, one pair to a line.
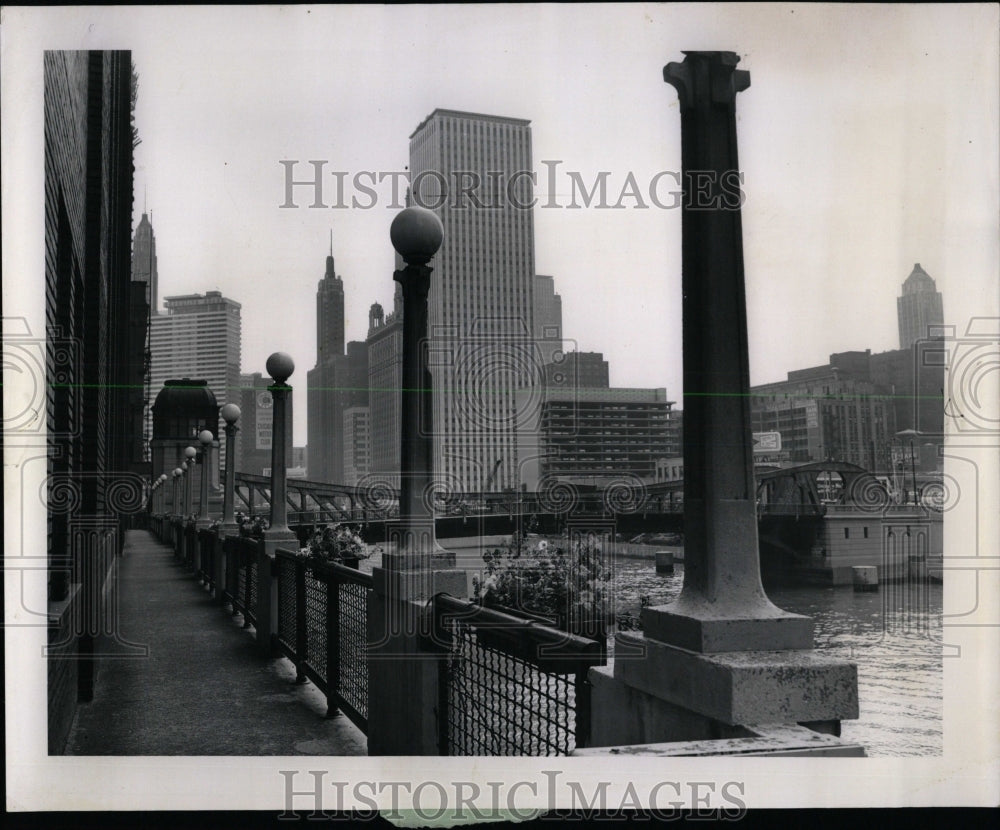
791,504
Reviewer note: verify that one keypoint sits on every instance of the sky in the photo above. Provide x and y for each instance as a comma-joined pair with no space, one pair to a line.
867,140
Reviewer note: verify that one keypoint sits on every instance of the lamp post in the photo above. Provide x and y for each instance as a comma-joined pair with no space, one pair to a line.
280,367
404,681
230,414
205,438
416,234
176,474
191,454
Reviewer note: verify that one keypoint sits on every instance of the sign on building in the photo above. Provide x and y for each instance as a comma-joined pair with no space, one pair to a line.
265,420
767,442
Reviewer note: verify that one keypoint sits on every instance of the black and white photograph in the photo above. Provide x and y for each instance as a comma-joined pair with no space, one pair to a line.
462,413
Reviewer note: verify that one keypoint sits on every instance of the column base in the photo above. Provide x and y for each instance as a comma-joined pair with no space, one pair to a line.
709,630
737,688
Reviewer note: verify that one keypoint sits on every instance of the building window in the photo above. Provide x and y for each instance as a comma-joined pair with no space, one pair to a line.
847,533
865,532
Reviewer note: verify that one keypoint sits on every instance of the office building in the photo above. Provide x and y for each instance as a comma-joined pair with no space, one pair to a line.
474,172
833,412
199,336
548,319
357,444
919,308
385,379
577,369
144,261
592,436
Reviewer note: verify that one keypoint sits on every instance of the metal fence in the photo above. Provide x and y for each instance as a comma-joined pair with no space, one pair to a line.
323,629
240,577
509,686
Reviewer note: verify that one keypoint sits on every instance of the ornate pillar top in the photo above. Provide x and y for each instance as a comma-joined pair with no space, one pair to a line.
706,78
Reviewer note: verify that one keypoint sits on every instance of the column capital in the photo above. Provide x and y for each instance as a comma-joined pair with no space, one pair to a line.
706,78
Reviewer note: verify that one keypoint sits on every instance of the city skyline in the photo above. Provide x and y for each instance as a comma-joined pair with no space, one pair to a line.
849,154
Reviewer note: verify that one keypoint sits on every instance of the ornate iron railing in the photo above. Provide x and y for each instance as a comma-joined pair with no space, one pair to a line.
510,686
323,629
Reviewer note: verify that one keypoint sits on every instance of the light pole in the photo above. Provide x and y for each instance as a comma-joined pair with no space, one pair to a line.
205,438
177,473
191,454
230,414
280,367
416,234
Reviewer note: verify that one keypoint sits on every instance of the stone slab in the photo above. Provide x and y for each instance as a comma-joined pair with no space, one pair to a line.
741,687
776,740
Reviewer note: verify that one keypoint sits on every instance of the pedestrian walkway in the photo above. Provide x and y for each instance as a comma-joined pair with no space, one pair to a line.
204,688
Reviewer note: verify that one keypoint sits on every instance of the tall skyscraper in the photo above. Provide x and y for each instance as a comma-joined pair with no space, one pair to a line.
199,336
145,303
474,172
144,261
338,381
919,308
329,314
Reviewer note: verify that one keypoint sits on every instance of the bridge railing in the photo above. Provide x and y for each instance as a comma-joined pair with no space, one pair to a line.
323,629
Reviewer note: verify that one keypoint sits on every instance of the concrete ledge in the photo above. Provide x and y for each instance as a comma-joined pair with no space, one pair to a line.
419,583
776,740
741,687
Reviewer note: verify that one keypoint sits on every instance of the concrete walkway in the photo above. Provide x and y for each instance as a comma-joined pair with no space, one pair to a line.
204,689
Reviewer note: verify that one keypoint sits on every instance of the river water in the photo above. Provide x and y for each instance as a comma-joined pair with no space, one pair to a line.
893,635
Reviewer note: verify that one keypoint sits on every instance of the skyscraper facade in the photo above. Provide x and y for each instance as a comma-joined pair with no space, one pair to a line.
337,381
145,301
548,319
474,172
919,308
385,378
199,336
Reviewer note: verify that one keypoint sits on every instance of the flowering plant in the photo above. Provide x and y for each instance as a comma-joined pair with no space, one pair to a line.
564,579
254,527
335,543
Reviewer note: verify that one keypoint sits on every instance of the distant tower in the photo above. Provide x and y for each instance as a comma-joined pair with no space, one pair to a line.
144,261
918,308
336,382
329,315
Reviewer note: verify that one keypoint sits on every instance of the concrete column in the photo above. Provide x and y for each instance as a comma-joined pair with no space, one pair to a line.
280,367
721,657
722,606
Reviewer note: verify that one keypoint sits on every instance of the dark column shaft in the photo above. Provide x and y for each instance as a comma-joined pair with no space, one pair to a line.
416,427
718,465
279,505
722,606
